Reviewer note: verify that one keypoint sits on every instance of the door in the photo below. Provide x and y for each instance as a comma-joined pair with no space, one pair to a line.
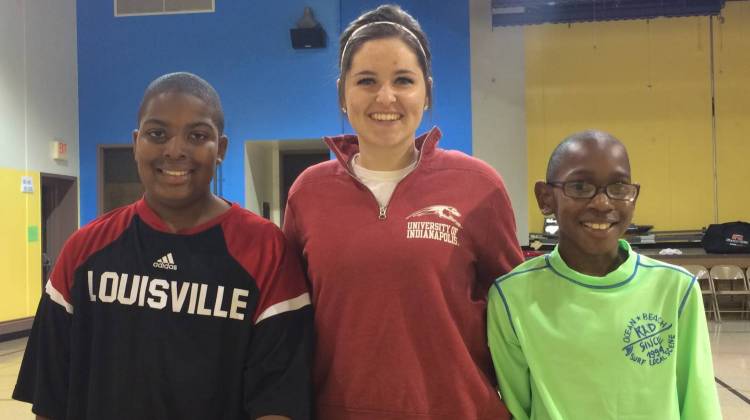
119,184
292,164
59,217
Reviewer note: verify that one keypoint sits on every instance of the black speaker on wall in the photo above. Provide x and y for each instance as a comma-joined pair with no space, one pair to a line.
304,38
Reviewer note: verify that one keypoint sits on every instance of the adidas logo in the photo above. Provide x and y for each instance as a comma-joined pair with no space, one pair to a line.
166,262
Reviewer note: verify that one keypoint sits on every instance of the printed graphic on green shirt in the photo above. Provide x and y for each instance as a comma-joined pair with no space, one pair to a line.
649,339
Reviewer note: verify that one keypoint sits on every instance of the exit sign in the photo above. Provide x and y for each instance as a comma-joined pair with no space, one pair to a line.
59,150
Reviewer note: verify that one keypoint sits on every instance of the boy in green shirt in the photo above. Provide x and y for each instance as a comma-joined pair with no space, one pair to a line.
595,330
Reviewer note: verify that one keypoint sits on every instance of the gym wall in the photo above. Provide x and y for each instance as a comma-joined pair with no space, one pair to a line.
649,82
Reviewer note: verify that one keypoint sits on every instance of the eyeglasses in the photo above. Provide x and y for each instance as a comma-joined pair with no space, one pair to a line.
586,190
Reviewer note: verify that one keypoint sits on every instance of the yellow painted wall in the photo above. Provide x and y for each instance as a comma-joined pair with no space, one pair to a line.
732,62
648,82
20,255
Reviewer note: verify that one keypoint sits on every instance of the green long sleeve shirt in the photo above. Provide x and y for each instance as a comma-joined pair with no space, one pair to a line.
630,345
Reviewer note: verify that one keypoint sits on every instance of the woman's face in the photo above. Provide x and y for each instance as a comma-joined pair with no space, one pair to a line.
385,94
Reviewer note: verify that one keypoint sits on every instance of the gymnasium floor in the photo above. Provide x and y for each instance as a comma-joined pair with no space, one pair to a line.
730,342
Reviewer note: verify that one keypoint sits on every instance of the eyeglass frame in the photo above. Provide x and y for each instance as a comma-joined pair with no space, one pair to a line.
597,190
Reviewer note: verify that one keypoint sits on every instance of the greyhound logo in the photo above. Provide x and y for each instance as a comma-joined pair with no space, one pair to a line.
444,212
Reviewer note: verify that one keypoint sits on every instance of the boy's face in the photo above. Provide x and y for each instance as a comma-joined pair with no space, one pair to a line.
589,227
177,147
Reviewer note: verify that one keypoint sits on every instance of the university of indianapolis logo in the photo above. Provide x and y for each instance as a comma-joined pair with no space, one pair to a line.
443,212
445,232
649,339
166,262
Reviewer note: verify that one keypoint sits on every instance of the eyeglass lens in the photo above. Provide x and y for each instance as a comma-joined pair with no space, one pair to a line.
617,191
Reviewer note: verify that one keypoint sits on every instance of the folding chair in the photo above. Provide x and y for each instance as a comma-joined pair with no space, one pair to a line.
707,288
729,280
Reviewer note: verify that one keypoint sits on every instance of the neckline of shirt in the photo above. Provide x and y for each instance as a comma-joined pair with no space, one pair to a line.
379,176
149,216
618,277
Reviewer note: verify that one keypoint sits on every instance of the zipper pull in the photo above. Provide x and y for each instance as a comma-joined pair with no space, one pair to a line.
382,215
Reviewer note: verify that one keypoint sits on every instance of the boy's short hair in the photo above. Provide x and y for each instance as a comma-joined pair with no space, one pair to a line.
557,155
187,83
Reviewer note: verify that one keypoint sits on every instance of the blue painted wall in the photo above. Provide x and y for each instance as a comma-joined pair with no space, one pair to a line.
269,90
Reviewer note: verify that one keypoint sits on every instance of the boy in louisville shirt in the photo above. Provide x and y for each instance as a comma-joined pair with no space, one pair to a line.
595,330
178,306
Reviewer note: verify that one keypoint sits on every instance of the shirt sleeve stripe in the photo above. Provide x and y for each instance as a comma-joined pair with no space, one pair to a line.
507,309
57,297
685,298
285,306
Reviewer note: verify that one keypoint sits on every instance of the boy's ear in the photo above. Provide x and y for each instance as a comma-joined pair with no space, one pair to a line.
223,142
545,199
135,140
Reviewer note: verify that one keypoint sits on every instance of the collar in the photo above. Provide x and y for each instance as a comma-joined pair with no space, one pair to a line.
619,277
365,174
347,145
153,220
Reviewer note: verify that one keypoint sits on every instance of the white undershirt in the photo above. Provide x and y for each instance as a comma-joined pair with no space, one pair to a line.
381,183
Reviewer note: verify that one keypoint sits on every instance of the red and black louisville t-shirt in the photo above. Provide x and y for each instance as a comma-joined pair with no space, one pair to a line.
140,323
